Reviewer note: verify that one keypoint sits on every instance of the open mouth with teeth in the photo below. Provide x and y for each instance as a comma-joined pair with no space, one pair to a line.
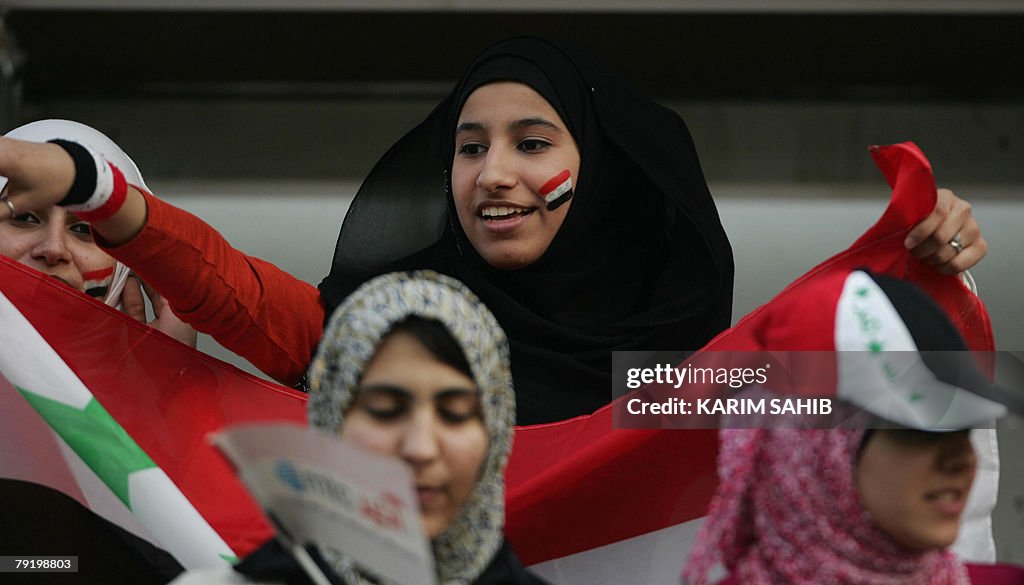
504,213
945,495
949,501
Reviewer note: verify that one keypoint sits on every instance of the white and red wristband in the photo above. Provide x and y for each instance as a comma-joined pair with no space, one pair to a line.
99,188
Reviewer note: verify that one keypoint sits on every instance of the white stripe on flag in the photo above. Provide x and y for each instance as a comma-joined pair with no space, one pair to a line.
156,501
28,361
653,558
98,496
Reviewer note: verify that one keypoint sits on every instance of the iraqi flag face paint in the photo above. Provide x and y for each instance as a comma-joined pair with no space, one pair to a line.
97,282
557,190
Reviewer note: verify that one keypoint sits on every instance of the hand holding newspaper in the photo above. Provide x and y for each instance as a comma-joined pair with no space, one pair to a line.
322,491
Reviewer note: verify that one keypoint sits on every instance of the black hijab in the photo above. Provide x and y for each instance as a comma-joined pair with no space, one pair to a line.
641,261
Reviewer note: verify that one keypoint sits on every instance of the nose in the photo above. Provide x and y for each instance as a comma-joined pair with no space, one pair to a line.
52,248
420,441
497,171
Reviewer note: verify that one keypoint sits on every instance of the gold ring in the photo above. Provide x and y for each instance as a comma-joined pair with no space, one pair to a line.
10,207
957,243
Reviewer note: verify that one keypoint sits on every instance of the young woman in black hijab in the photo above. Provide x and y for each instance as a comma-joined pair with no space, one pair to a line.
633,257
640,261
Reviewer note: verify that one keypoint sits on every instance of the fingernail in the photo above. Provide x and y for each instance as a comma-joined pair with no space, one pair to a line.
910,242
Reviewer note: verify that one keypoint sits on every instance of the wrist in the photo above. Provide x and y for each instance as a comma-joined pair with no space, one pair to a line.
99,188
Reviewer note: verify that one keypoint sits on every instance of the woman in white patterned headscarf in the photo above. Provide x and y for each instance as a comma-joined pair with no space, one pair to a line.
413,365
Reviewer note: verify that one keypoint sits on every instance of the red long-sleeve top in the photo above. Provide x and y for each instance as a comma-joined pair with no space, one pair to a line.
250,306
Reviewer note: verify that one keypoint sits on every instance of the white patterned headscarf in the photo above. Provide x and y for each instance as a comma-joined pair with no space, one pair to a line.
351,339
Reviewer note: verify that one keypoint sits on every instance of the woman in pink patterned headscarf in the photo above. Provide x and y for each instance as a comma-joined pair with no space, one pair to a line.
793,507
856,505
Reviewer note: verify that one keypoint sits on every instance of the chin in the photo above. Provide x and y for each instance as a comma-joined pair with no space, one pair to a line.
433,527
937,539
946,540
510,266
508,261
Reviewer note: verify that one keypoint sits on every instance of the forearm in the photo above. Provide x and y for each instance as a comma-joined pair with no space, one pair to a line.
127,222
248,305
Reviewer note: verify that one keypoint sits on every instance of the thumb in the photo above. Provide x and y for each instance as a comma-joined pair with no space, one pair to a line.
132,301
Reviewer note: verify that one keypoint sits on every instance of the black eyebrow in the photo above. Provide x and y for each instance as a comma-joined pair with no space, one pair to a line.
455,393
468,127
395,391
527,122
517,125
402,393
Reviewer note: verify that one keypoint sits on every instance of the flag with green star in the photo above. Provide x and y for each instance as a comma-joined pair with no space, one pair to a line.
87,452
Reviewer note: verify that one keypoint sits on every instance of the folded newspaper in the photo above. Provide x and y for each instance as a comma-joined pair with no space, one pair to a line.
323,491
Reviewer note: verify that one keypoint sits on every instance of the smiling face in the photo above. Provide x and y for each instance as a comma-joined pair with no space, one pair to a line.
57,243
915,484
509,144
413,406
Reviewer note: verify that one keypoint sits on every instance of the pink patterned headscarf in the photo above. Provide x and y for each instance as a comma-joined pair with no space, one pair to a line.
787,511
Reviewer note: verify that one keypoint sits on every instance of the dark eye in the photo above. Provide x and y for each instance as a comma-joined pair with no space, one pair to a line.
453,417
81,229
26,218
472,149
382,406
913,437
458,408
385,414
533,145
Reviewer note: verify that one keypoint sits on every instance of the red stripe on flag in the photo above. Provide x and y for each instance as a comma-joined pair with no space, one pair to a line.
554,182
577,485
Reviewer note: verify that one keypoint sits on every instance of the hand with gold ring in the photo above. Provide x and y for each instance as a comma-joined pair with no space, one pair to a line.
38,175
949,238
